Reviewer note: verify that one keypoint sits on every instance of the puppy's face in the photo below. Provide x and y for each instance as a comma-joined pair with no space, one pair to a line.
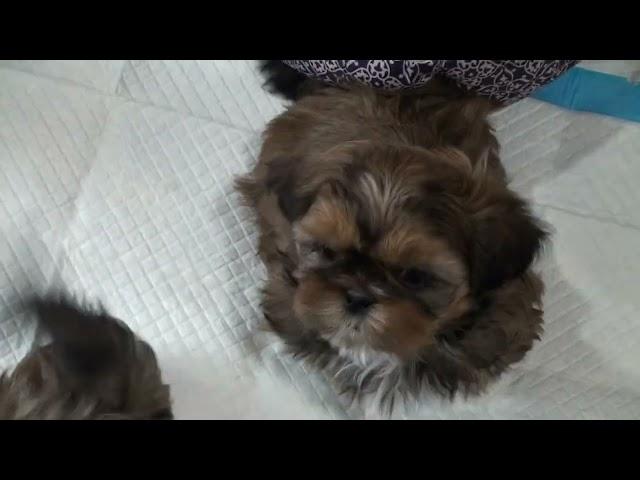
394,244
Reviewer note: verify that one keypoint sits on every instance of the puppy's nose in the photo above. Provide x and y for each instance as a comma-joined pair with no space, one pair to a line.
357,302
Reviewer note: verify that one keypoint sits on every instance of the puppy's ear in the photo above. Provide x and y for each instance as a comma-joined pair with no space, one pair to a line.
505,240
283,180
464,125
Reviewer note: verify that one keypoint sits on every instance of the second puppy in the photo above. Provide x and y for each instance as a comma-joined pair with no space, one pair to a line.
94,368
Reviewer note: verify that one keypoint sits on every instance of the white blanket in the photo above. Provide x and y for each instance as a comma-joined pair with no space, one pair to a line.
116,181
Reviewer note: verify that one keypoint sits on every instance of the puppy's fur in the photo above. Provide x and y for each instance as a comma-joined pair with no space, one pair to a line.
398,258
93,368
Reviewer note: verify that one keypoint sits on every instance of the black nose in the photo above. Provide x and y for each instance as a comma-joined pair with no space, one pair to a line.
357,302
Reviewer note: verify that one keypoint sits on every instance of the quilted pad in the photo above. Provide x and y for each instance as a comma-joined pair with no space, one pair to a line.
116,180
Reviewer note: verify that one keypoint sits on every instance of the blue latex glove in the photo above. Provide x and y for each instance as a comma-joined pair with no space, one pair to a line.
588,91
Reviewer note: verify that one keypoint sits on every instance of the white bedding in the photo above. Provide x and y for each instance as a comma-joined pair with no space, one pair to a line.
115,179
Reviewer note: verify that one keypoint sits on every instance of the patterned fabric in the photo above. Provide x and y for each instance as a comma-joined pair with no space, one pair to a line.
504,80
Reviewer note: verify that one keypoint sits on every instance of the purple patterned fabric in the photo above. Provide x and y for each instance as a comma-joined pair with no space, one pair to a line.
504,80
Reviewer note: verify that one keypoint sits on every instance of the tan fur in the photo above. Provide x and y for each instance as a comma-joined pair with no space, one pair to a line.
407,244
332,224
414,331
354,188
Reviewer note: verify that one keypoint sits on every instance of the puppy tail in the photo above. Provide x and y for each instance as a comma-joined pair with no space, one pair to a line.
98,356
87,342
285,81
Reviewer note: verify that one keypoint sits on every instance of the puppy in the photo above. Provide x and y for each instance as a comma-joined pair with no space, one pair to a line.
93,368
397,256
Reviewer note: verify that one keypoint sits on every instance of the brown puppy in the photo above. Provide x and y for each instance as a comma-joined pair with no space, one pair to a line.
94,368
397,256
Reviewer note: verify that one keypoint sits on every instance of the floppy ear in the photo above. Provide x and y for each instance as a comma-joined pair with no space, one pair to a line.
283,179
463,124
505,240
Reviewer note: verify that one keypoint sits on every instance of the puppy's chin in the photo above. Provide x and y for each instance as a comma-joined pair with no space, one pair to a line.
393,326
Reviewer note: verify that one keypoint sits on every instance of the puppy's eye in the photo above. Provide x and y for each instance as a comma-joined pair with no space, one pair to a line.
325,252
415,279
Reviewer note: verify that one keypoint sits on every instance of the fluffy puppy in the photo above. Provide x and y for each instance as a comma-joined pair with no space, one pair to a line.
397,256
93,368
